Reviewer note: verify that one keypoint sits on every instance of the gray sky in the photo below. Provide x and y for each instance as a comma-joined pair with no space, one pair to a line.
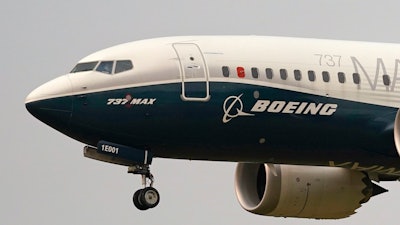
44,177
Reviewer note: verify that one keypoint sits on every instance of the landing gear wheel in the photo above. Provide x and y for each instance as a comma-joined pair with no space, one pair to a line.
149,197
137,202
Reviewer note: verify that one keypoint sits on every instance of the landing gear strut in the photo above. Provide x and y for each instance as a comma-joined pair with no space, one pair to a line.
148,197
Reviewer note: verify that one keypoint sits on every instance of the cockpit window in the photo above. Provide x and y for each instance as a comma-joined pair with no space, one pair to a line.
81,67
123,65
105,67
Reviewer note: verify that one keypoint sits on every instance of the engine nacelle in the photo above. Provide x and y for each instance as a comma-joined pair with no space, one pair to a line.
301,191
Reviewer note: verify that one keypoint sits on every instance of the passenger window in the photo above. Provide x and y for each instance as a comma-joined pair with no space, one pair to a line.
297,75
341,77
283,73
225,71
311,75
82,67
105,67
325,76
254,72
123,65
269,73
240,72
386,80
356,78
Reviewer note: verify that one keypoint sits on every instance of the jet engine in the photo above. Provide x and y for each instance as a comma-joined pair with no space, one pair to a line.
302,191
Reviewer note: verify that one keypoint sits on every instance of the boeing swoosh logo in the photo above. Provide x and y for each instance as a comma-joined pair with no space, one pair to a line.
233,107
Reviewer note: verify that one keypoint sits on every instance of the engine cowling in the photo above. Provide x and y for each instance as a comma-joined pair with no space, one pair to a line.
301,191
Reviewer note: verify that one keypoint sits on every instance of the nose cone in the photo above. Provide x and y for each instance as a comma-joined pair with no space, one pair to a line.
51,103
60,86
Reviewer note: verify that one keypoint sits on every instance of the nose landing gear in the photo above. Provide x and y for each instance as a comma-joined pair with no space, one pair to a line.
148,197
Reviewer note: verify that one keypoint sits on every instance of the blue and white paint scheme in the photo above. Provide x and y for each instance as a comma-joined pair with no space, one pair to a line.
313,124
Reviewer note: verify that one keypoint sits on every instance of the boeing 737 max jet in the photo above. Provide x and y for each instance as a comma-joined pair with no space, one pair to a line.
313,124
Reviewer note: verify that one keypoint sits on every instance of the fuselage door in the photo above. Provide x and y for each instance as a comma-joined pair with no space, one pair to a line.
194,72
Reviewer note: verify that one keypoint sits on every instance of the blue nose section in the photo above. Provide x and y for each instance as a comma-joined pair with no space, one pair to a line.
51,103
55,112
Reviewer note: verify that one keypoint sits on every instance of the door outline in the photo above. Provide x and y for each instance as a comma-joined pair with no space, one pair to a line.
192,62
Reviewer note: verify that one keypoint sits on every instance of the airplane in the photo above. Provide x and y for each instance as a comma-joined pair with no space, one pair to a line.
312,124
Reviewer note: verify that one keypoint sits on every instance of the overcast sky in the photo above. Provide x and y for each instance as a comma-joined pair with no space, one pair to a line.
44,177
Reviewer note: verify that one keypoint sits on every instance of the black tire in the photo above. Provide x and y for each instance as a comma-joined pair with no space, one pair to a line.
149,197
137,202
